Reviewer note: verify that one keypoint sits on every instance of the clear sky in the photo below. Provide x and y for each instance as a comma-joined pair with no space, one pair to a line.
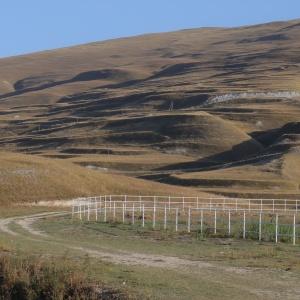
33,25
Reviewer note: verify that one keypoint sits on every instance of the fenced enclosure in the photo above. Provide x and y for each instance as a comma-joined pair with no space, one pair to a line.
274,220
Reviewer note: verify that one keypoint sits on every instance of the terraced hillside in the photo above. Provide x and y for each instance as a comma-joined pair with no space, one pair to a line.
215,109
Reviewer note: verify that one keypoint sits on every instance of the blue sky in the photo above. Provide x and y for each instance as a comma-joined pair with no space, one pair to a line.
33,25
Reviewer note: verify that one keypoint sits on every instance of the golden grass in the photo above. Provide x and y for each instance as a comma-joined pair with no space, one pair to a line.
27,178
142,76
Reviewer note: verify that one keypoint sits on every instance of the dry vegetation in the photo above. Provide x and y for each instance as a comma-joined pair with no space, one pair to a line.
154,105
195,112
27,178
35,279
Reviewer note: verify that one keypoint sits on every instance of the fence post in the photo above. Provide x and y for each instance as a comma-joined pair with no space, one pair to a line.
259,233
284,204
114,211
169,203
261,205
244,226
197,202
143,215
276,229
125,200
105,211
140,203
229,223
176,220
110,202
215,221
165,219
273,205
132,213
123,212
183,203
96,211
201,222
294,231
154,216
249,205
80,216
73,209
88,211
189,220
100,208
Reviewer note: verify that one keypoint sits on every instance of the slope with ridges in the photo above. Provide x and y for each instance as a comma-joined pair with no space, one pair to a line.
160,95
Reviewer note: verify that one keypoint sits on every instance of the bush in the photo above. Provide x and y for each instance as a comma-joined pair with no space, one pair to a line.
25,279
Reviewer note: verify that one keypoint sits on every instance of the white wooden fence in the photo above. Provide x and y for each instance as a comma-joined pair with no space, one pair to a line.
262,219
267,205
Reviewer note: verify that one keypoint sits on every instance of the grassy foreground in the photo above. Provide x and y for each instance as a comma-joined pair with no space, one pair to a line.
154,264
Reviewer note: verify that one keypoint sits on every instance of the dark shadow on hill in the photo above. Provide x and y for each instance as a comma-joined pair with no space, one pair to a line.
121,84
21,86
269,137
276,142
239,155
95,103
219,161
205,165
266,38
167,71
176,69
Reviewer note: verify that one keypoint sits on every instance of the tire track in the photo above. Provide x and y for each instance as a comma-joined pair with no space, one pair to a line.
222,274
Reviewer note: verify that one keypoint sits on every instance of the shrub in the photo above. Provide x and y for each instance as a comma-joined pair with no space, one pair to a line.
25,279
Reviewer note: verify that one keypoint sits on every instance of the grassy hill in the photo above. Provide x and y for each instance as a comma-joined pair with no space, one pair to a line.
201,112
166,107
28,178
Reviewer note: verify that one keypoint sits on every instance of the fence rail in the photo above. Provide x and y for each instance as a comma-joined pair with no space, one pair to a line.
263,219
268,205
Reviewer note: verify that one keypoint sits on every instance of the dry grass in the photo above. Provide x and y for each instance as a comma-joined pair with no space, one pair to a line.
33,279
28,178
116,95
107,105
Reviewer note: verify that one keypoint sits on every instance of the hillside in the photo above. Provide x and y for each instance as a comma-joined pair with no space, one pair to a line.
27,179
217,109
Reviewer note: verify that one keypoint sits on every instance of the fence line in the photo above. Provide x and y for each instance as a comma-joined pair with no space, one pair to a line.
279,225
271,205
